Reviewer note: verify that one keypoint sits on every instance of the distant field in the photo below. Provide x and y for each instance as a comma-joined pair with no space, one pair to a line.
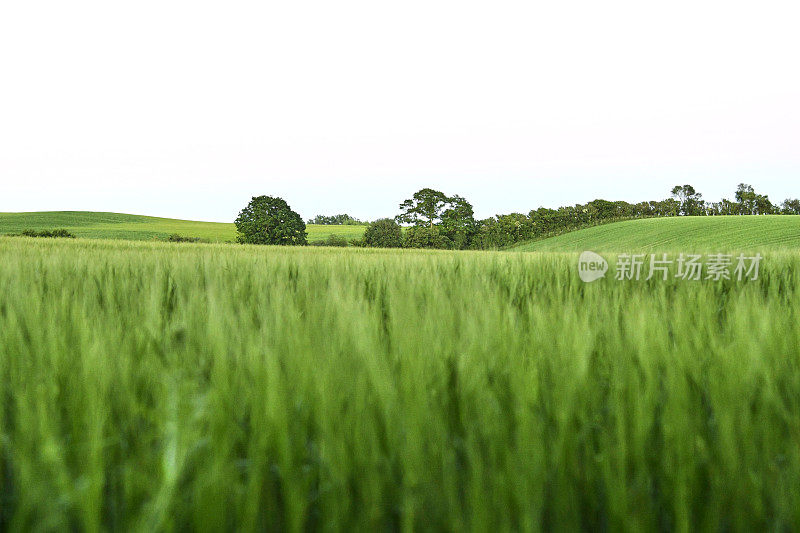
94,225
684,233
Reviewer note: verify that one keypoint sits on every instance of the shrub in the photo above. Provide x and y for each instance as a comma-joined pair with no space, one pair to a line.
56,233
335,240
180,238
331,240
336,220
426,237
383,233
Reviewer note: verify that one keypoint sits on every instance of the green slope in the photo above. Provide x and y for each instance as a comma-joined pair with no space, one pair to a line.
94,225
705,234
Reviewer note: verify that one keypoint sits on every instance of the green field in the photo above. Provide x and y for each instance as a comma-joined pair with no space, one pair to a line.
705,234
93,225
149,386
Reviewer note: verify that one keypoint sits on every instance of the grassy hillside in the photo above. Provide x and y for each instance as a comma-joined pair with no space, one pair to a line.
684,233
93,225
706,234
154,387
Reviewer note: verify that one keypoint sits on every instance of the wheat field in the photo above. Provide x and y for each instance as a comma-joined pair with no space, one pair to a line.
155,386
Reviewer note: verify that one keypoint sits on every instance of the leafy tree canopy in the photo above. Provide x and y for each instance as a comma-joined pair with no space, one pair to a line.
270,220
426,237
691,201
336,220
452,216
458,222
791,207
384,233
752,203
424,208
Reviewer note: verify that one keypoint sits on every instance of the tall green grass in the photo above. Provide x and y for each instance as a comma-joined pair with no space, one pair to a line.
157,387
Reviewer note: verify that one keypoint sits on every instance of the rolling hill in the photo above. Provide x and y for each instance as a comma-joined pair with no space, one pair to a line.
95,225
679,233
706,234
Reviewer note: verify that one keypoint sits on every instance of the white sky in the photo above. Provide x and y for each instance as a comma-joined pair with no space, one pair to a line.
186,109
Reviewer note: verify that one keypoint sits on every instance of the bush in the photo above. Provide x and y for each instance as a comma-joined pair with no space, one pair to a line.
383,233
180,238
56,233
426,237
336,220
331,240
335,240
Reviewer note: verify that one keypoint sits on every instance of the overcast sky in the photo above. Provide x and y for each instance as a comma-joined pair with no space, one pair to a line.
186,109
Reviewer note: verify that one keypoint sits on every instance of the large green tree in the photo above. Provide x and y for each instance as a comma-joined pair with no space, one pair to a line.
424,208
791,207
458,222
449,220
270,220
691,201
746,198
752,203
764,205
384,233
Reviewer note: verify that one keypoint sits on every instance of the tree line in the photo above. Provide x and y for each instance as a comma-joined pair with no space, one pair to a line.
336,220
431,219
